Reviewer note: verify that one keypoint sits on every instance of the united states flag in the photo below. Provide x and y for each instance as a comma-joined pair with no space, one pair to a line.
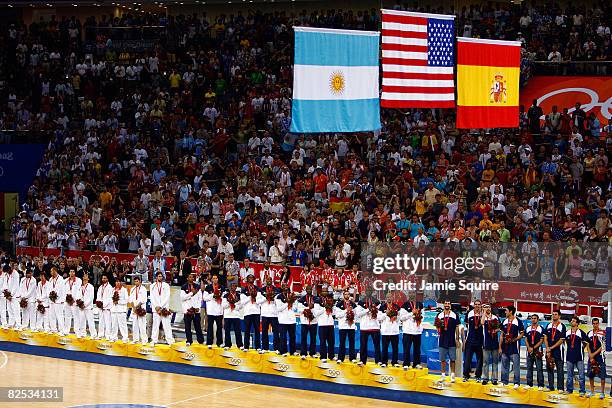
418,57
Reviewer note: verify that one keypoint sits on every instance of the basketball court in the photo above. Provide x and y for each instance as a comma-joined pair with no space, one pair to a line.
97,385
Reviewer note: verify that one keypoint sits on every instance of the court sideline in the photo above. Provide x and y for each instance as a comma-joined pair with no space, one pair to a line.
92,384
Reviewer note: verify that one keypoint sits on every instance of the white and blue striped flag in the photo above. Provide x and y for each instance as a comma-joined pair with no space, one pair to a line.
335,81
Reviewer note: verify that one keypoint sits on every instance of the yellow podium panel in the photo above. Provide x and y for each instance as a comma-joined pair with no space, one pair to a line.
390,378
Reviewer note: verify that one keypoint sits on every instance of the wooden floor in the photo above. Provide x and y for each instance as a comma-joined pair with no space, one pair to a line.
90,384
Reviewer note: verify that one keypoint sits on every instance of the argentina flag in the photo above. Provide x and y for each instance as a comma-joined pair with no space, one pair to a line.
335,81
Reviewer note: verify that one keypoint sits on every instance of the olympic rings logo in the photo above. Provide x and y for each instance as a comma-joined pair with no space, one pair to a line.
282,367
385,379
594,102
234,361
188,356
332,373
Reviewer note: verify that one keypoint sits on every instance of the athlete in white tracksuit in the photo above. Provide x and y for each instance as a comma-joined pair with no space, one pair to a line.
138,297
42,298
105,295
3,285
84,317
119,313
12,306
160,299
27,291
56,307
73,284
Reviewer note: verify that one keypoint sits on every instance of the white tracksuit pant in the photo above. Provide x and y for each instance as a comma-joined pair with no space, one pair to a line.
139,329
42,320
14,315
119,323
165,321
56,318
70,314
104,324
28,316
85,318
3,315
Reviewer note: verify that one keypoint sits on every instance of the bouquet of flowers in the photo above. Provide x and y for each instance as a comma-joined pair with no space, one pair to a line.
23,303
232,299
7,294
191,311
595,368
99,304
80,304
116,297
69,299
373,311
536,354
290,300
550,362
329,305
41,308
392,313
140,311
165,312
493,326
418,316
53,296
308,314
439,324
350,316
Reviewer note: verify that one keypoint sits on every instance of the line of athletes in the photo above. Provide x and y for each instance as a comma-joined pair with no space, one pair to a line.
52,305
492,339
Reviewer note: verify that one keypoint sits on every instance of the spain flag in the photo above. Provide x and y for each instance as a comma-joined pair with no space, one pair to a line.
487,83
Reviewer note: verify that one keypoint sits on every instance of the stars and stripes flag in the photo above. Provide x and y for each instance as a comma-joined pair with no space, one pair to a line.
418,58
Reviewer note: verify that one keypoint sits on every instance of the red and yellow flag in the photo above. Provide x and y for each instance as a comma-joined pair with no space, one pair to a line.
487,83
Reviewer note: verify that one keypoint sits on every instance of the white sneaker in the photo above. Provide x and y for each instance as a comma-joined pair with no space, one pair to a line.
324,360
261,351
516,386
452,377
418,366
396,365
540,388
360,364
296,354
406,368
210,346
526,387
354,361
383,365
285,354
303,357
225,348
